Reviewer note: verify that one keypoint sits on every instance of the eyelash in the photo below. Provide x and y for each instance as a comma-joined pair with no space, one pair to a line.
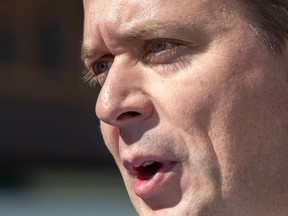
91,77
150,57
165,56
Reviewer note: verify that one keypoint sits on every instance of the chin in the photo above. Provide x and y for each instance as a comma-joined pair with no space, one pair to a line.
187,206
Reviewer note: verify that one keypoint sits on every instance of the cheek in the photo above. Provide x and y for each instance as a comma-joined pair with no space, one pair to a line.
186,102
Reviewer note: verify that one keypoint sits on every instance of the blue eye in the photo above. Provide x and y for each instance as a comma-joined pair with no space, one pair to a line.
102,67
159,46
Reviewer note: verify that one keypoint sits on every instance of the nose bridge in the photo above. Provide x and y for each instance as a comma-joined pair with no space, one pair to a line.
122,98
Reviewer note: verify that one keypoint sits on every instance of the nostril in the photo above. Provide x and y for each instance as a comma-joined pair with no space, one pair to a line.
128,115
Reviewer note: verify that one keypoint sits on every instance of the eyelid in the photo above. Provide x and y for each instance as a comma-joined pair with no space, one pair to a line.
92,77
171,41
105,58
166,55
102,64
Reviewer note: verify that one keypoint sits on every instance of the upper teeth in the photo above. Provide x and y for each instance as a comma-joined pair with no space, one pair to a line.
148,163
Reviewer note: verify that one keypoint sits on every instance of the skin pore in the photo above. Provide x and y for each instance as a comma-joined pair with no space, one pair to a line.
192,88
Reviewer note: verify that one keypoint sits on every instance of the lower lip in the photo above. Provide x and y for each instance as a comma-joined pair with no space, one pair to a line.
144,188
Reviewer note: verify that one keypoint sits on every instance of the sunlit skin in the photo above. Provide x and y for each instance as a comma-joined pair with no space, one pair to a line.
189,82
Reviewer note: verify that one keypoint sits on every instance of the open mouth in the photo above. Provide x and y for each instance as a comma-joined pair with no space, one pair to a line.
150,175
147,170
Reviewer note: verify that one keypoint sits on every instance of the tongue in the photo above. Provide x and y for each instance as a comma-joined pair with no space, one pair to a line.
146,173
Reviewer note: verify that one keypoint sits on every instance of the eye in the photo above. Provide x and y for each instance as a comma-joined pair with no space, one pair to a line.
159,46
97,72
163,51
102,67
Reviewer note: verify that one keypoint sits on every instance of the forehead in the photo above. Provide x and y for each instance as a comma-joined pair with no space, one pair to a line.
120,11
113,18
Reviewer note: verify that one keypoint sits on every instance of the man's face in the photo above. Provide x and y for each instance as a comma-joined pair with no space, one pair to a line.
186,107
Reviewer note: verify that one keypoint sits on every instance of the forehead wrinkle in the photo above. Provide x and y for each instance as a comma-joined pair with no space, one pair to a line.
115,30
139,30
133,32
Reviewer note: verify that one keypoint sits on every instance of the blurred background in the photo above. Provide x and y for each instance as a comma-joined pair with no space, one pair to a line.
52,157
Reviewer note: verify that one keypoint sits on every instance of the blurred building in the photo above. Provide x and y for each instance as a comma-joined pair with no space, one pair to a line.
46,112
52,157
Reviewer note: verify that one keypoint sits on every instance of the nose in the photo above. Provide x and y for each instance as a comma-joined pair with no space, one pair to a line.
123,99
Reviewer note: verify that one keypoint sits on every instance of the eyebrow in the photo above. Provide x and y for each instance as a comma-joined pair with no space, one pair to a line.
142,28
87,52
137,31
